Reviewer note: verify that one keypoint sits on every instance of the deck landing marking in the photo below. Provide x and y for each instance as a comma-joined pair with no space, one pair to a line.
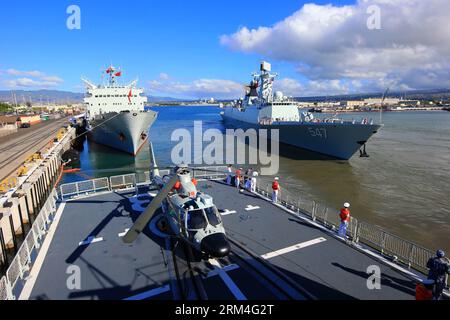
293,248
227,268
227,280
150,293
250,208
227,212
90,240
123,233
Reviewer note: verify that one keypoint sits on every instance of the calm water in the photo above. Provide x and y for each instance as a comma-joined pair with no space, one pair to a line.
404,186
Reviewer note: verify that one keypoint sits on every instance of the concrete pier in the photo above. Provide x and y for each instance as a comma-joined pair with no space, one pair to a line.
20,206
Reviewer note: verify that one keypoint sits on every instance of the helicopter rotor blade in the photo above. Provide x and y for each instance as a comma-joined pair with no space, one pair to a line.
147,215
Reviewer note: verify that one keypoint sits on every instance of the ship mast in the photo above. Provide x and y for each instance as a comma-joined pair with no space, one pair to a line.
266,83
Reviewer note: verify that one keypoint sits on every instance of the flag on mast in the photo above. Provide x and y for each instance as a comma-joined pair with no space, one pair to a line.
129,96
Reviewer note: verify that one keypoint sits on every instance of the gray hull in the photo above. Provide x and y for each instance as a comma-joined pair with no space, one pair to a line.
338,140
126,131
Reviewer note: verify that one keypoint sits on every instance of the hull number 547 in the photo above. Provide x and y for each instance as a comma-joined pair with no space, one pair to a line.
318,132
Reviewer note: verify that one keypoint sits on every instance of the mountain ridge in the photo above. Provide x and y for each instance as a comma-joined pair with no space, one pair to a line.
61,96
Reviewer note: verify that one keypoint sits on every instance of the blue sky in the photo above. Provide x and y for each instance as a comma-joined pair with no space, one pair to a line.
174,44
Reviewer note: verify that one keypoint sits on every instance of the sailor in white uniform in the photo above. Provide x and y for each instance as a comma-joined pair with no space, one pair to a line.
229,174
253,181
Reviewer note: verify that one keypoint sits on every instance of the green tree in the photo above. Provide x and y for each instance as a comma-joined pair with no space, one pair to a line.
4,107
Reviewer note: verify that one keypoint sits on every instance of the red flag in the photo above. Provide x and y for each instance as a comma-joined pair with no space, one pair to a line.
129,96
118,74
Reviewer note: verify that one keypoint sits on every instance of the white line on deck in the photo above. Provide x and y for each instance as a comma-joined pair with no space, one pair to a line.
227,212
150,293
42,253
293,248
123,233
228,281
90,240
250,208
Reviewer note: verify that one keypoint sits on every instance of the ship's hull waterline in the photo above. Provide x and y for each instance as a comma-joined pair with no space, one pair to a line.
337,140
125,132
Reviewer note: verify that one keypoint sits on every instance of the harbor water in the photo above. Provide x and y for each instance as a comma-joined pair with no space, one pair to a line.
404,186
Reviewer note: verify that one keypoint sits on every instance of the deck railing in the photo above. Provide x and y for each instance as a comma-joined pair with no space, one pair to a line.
130,181
22,262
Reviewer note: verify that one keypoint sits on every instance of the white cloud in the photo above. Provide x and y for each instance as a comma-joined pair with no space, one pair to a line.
30,83
332,43
54,79
292,87
201,88
15,72
30,79
163,76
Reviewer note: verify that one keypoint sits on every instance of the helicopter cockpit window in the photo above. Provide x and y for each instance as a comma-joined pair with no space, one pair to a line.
213,215
196,219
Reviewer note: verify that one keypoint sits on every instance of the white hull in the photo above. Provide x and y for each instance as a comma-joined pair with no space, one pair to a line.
125,131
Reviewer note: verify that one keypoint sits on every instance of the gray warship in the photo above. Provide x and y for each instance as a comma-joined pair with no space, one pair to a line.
262,109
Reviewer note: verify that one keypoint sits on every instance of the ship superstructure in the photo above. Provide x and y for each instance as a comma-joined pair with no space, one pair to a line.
116,114
261,108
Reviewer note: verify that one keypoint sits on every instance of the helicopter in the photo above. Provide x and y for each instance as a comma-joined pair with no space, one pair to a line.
190,214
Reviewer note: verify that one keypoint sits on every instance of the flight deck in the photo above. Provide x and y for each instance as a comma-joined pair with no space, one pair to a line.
275,254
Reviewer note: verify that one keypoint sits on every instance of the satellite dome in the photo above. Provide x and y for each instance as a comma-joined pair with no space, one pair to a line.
279,95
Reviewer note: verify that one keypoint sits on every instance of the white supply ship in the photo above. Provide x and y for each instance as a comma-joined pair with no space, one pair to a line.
261,109
116,114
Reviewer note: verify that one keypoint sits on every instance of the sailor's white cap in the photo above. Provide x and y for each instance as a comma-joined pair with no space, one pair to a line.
276,178
346,205
255,173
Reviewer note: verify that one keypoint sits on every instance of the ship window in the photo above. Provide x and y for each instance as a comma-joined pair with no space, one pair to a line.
196,220
213,215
